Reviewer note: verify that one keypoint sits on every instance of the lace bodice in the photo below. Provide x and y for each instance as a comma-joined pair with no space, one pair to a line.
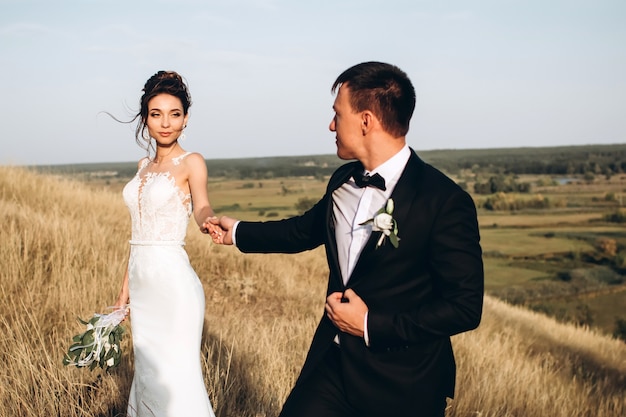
159,209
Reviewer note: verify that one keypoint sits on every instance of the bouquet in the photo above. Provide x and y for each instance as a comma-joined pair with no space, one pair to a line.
99,344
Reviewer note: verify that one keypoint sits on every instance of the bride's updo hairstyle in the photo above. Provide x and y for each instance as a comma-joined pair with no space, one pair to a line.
163,82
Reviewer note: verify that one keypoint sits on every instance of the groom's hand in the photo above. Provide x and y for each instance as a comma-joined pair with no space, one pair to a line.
223,227
347,312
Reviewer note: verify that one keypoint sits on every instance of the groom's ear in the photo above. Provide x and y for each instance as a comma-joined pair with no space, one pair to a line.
368,121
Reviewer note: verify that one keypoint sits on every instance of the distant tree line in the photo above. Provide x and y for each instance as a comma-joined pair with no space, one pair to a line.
566,160
563,161
501,184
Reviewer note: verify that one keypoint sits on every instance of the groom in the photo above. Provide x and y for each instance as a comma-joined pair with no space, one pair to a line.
382,348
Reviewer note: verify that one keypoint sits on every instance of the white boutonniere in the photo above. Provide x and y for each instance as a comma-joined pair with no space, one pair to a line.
385,223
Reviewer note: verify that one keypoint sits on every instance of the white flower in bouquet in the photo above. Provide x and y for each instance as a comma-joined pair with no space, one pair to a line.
385,223
99,344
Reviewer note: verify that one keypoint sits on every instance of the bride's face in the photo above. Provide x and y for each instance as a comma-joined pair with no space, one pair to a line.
166,119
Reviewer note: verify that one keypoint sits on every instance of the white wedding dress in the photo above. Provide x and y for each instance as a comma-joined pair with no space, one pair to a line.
166,301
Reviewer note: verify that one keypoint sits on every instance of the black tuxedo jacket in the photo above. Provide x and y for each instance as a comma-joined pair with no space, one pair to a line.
418,295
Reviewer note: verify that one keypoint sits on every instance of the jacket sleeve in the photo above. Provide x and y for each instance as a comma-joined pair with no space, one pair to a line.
292,235
295,234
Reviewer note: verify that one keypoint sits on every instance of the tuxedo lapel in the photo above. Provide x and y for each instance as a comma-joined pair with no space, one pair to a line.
336,181
406,189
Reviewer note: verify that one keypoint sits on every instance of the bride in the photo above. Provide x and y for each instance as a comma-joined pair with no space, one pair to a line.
165,295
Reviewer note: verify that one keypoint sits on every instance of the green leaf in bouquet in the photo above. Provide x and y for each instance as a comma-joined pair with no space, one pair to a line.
88,337
75,353
109,354
77,338
102,362
94,320
115,337
82,321
93,365
115,363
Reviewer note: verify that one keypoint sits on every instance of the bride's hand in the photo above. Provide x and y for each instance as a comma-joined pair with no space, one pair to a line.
122,305
207,226
211,227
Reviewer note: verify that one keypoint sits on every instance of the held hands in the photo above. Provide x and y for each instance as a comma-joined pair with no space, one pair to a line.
220,229
209,228
347,312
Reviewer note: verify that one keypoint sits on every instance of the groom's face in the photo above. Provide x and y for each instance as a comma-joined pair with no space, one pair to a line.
347,126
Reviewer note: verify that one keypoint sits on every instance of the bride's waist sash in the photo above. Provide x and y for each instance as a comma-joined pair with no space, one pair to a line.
157,242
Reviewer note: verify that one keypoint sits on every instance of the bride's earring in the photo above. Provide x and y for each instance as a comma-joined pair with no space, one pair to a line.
145,135
182,136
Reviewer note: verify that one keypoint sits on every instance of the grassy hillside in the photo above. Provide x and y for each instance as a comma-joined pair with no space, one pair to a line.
64,245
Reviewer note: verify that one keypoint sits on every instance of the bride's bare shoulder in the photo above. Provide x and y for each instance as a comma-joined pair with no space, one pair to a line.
195,158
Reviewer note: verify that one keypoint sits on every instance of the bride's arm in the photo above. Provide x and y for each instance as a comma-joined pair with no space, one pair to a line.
198,179
124,297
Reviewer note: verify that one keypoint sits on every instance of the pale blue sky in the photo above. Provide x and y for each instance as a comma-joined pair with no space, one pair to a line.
488,73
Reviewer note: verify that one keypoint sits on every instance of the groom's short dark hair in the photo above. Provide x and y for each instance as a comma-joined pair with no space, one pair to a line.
383,89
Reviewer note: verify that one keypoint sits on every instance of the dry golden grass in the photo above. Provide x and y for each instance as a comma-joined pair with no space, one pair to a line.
63,248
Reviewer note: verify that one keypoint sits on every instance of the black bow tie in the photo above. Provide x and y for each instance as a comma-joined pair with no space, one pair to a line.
366,180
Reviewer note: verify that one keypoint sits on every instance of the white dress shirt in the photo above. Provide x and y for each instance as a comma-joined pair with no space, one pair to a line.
353,205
